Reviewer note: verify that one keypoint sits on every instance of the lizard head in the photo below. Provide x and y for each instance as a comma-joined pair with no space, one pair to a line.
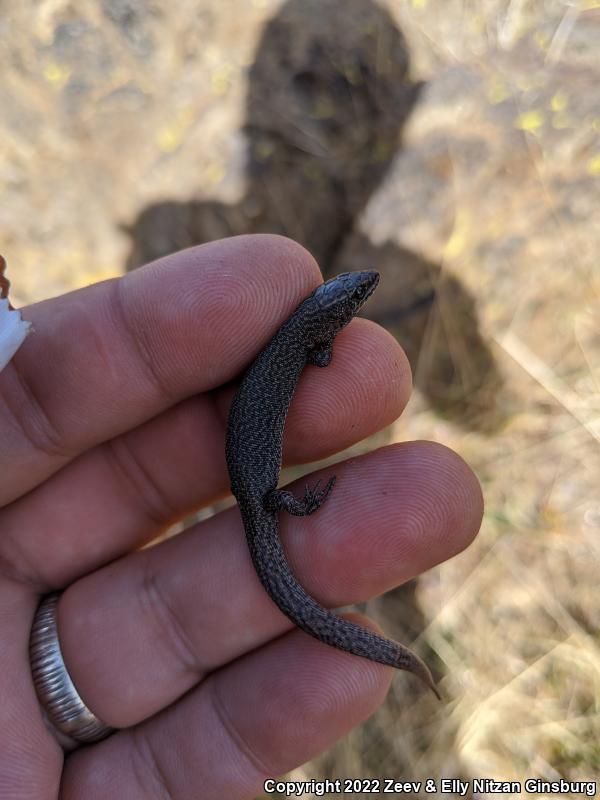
343,296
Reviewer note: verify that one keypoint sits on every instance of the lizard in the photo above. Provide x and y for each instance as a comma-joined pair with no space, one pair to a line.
253,450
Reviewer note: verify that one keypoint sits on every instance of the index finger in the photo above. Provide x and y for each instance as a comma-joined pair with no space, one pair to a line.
106,358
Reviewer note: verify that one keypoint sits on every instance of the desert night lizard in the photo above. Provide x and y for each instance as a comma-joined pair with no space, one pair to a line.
254,451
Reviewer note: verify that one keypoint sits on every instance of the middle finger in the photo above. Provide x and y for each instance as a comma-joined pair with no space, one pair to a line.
126,491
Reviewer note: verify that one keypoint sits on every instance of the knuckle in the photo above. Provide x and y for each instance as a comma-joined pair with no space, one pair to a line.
134,334
147,768
32,420
142,485
241,743
162,614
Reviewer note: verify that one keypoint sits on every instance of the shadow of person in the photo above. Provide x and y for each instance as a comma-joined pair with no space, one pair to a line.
329,93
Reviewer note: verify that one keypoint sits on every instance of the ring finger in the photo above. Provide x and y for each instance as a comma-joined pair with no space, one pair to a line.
186,607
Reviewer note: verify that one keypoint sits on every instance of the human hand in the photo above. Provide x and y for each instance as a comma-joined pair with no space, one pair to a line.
112,420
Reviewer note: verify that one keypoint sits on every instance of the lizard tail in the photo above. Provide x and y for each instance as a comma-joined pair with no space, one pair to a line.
304,611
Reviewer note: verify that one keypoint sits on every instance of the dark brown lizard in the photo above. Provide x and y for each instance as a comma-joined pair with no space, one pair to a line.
254,450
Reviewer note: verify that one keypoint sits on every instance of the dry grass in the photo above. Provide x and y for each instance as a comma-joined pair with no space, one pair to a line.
502,154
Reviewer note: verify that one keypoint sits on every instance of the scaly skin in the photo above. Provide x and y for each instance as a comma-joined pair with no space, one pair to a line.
254,449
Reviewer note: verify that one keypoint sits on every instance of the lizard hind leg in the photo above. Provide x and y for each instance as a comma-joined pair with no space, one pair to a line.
313,499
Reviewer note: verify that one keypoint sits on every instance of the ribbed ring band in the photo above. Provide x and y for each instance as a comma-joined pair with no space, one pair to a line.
63,707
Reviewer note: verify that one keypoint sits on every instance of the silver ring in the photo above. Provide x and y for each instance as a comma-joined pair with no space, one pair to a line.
70,720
